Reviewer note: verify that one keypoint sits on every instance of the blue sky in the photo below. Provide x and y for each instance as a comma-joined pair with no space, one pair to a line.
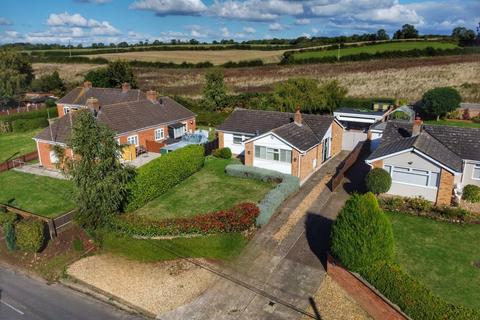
87,21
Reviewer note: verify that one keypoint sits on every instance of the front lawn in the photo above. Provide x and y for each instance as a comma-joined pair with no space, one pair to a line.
220,246
455,123
208,190
444,256
45,196
15,144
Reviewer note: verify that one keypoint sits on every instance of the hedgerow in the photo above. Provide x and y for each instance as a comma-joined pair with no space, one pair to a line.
23,125
236,219
269,204
163,173
30,235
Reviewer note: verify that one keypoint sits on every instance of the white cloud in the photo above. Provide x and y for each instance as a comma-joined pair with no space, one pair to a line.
275,27
77,21
225,32
300,22
11,33
255,10
171,7
5,22
249,30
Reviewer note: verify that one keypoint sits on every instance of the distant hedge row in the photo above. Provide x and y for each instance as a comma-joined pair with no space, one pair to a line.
25,121
163,173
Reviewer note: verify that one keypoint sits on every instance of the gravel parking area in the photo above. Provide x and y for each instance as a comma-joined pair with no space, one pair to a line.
156,287
333,303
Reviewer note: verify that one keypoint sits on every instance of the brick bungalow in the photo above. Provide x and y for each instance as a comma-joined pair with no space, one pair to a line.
292,143
431,161
139,119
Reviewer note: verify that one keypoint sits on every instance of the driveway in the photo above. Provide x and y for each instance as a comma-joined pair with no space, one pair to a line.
281,268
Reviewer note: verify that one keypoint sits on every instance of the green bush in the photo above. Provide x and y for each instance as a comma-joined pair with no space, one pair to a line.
287,185
163,173
414,298
223,153
418,204
471,193
77,245
9,232
30,235
7,218
452,212
378,181
23,125
362,234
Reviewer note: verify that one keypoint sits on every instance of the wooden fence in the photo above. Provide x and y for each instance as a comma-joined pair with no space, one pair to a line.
12,163
210,146
345,165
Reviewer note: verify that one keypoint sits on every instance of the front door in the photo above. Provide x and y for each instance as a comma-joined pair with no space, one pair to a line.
326,149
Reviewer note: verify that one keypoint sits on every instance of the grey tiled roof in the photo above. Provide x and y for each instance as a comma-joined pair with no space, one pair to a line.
447,145
105,96
303,137
124,117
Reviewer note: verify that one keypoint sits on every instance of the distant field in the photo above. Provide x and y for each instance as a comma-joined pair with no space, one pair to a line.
392,46
195,56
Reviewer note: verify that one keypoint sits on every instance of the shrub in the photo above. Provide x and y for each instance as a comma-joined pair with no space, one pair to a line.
392,203
224,153
23,125
476,119
471,193
77,245
163,173
9,232
418,204
7,218
30,234
378,181
452,212
272,200
236,219
362,234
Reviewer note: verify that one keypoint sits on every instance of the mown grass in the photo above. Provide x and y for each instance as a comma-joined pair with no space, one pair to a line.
45,196
208,190
15,144
390,46
221,247
441,255
455,123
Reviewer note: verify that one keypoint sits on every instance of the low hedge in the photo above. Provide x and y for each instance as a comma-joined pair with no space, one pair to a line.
23,125
272,200
30,235
471,193
412,296
236,219
163,173
7,217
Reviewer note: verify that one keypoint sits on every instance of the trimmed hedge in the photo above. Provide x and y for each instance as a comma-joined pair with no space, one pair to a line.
30,235
223,153
23,125
9,232
163,173
236,219
43,114
362,234
378,181
7,218
272,200
471,193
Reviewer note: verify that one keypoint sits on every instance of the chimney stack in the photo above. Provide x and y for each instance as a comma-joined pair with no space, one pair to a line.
93,104
152,96
87,85
298,117
125,86
417,126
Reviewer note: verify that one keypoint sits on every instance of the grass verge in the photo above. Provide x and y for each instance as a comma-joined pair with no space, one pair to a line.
13,145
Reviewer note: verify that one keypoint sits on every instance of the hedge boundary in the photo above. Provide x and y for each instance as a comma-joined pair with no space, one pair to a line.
272,200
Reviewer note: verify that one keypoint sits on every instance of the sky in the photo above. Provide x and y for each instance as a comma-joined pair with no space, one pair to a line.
87,21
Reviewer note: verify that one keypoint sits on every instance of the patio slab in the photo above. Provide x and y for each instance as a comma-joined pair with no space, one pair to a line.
41,171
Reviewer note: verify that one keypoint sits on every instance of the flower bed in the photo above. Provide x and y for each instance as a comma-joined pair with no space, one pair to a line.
236,219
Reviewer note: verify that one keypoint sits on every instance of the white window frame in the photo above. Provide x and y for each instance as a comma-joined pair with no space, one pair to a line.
476,166
66,110
273,151
134,137
408,170
162,135
53,157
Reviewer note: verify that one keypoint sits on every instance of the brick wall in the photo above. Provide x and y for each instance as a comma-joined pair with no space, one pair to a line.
445,188
44,155
378,164
221,139
60,110
295,161
337,138
248,153
191,125
306,167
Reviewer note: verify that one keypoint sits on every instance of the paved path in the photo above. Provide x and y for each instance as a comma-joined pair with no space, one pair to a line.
22,297
278,271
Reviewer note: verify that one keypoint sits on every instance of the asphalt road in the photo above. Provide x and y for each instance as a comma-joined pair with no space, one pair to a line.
26,298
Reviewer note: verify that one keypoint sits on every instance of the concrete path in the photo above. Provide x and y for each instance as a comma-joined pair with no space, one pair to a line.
278,271
41,171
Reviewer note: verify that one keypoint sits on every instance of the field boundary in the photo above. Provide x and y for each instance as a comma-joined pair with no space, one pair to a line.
17,162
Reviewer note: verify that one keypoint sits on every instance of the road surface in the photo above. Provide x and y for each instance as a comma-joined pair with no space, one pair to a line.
26,298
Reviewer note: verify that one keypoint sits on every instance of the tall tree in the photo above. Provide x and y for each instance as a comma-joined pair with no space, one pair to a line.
382,35
113,76
333,94
99,179
408,31
16,73
49,83
439,101
215,90
463,34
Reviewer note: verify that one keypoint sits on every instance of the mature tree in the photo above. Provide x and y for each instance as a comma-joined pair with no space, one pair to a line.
49,83
408,31
16,73
215,90
463,34
382,35
333,94
439,101
99,179
113,76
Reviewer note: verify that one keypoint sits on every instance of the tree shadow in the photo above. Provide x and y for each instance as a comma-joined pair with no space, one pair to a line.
314,308
355,175
317,230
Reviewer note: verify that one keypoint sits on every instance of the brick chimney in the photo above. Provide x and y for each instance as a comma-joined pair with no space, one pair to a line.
298,117
152,95
87,85
93,104
417,126
125,86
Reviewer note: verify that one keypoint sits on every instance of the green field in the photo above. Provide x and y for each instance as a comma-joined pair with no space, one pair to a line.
391,46
208,190
45,196
455,123
15,144
444,256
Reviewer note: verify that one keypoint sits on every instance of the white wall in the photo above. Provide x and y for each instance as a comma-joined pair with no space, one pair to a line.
270,141
351,138
237,149
468,174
